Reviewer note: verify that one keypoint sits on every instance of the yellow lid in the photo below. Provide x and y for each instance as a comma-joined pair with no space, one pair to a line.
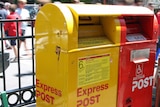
114,10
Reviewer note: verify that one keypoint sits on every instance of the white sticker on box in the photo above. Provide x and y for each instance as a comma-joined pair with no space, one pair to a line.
139,54
135,37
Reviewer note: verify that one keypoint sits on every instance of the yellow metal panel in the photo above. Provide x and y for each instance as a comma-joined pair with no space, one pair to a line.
54,26
100,92
83,20
57,20
94,41
111,26
62,50
108,10
90,31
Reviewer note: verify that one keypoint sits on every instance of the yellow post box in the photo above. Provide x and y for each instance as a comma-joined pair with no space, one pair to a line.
77,54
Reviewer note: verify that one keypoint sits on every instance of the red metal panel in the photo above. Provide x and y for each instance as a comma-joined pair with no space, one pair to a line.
136,78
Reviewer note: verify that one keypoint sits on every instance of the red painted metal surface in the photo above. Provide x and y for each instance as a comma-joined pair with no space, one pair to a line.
137,57
136,79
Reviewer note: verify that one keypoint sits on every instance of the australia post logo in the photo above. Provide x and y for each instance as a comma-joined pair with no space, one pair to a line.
140,81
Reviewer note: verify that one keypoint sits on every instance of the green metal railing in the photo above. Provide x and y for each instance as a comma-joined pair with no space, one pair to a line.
3,98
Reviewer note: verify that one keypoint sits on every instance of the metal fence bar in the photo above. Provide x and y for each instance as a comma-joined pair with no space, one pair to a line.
9,38
20,91
32,33
2,50
19,70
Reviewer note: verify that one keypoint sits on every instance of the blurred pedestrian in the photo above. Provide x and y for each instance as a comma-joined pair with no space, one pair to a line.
124,2
3,15
11,29
138,2
6,6
24,14
120,2
150,6
44,1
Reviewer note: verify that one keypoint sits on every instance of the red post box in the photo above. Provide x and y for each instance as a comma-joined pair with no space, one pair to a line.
137,58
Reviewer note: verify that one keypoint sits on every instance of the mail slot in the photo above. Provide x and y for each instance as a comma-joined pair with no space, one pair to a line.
77,55
137,57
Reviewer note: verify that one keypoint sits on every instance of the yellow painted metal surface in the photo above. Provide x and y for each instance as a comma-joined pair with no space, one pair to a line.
76,58
108,10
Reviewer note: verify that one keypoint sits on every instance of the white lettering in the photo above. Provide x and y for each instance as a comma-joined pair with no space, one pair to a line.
151,80
142,83
134,85
146,82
